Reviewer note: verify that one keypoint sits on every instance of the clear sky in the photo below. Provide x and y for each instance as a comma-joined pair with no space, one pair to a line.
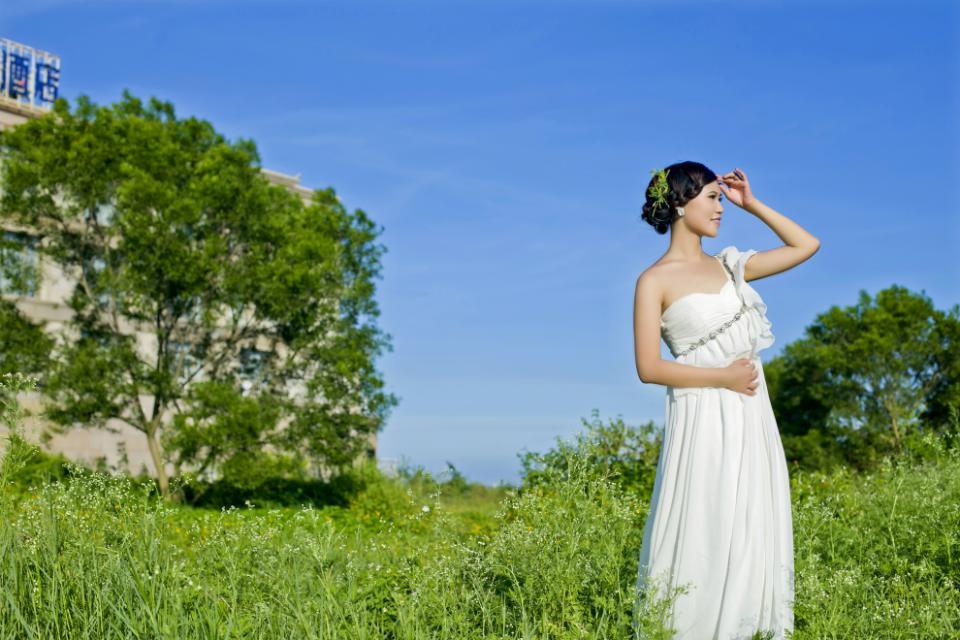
505,148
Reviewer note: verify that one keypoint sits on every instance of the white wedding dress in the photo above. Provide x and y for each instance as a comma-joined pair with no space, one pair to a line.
720,519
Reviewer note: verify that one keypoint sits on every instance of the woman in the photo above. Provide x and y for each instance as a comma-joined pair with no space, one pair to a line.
718,538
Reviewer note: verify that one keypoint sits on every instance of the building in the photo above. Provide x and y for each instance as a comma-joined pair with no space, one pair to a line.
119,447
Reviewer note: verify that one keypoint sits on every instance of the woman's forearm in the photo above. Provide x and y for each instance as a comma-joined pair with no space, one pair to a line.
786,229
673,374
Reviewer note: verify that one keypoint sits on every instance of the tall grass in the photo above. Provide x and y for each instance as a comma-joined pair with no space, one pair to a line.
878,555
95,556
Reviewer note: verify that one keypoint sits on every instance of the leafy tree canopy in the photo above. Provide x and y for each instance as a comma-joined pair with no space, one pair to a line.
253,307
866,380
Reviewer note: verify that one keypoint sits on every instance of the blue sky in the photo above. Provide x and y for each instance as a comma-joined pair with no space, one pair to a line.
505,147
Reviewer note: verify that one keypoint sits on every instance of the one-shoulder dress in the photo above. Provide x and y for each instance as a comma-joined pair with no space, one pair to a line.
720,519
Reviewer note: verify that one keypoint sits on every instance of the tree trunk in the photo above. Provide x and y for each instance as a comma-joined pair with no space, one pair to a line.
893,413
157,460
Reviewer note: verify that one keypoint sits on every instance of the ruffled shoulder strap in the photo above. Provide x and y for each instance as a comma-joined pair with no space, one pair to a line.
736,260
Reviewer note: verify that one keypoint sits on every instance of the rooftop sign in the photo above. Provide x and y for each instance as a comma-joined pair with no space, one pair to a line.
28,75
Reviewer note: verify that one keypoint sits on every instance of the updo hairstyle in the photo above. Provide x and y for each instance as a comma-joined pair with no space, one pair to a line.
685,180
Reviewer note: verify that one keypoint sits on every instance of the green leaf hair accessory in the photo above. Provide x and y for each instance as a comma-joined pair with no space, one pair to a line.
660,188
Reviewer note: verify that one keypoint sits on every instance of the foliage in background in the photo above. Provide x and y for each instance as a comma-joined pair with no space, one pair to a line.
24,346
172,230
626,453
867,381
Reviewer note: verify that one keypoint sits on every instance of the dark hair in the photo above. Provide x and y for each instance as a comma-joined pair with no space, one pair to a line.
685,180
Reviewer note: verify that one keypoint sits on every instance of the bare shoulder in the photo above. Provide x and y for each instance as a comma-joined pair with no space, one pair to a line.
650,281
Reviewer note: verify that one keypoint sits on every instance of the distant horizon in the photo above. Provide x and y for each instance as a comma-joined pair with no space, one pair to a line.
505,149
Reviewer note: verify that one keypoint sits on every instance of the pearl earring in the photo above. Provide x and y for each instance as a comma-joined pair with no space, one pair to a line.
680,211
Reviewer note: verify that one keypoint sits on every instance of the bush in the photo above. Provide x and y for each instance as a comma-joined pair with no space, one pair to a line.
627,454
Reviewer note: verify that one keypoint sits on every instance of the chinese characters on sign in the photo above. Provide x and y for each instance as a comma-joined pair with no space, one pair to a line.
28,75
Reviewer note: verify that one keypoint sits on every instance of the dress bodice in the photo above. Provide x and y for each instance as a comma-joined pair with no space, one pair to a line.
714,329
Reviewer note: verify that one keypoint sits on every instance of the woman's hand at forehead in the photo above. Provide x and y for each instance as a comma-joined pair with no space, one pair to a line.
737,188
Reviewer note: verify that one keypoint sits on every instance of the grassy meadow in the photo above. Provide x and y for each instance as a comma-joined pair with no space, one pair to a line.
92,555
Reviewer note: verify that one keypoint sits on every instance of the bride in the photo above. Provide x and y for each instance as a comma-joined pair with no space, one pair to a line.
718,538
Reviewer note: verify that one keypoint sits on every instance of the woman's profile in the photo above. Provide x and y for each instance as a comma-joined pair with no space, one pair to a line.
719,533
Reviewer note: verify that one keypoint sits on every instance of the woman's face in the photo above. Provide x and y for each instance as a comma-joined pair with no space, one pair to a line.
702,214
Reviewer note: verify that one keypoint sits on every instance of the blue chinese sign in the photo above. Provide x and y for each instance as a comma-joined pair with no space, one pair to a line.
28,75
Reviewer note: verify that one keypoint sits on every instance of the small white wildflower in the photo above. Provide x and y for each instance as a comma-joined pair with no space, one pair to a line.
426,508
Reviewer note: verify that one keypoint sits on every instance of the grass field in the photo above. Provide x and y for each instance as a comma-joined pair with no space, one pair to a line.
95,556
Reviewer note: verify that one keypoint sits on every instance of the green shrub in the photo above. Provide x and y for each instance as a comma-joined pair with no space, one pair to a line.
626,453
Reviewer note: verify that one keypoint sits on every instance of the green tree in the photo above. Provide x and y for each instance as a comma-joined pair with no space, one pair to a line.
19,274
254,308
866,379
24,346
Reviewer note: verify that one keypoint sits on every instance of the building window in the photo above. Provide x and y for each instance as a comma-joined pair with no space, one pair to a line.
105,213
93,268
252,366
19,266
101,338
